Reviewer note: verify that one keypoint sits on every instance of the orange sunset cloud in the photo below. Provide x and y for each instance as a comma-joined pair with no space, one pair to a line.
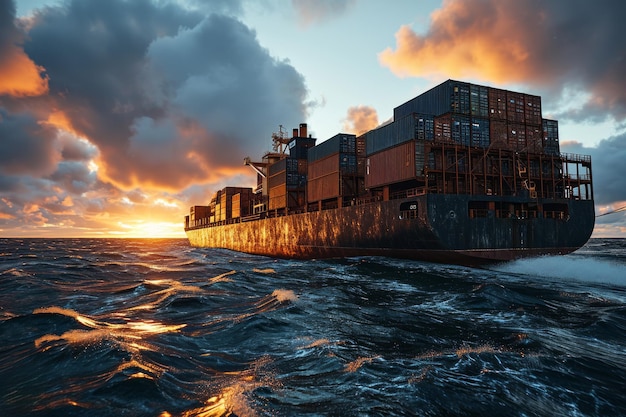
360,119
20,77
486,40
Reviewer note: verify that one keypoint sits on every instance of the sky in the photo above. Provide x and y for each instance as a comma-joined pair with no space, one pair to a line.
117,115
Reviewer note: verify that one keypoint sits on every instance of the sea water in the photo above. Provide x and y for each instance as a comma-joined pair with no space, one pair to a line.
115,327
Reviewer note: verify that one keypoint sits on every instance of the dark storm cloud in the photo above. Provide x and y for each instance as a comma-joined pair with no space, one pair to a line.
8,33
609,169
26,146
555,45
221,78
74,177
19,75
149,84
123,100
94,53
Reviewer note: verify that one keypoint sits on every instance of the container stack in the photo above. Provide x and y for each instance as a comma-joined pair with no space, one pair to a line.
551,137
199,215
222,203
400,144
242,203
335,169
477,116
287,177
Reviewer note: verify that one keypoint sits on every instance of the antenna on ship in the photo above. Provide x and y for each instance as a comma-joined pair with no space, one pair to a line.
280,140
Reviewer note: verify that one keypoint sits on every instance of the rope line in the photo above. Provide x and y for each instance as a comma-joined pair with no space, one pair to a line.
623,208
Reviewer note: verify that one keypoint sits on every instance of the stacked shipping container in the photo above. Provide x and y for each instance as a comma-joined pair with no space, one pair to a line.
478,116
400,145
335,168
287,178
551,136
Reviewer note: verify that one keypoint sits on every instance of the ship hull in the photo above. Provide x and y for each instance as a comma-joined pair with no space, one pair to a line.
412,228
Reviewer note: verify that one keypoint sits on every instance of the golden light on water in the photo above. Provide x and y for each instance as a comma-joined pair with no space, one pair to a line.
130,335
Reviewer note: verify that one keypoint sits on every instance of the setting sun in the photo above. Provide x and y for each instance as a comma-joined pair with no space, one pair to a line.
149,229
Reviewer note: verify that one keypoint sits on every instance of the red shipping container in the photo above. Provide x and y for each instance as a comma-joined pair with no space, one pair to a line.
391,165
515,107
517,136
497,104
532,110
498,133
534,138
443,128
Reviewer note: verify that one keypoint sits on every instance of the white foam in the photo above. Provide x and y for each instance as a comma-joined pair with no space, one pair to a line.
568,268
285,295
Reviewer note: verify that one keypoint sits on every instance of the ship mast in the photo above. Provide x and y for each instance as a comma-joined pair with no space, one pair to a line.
280,140
279,145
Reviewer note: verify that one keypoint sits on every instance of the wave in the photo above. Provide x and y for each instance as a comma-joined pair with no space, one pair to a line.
568,268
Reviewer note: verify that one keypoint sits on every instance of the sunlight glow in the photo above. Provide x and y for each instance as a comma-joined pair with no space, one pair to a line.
149,229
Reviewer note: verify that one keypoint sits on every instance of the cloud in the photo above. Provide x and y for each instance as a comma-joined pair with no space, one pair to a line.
551,45
315,11
19,75
128,69
146,102
609,169
360,119
26,146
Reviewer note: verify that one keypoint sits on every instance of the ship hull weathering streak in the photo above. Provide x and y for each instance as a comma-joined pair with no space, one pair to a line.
464,174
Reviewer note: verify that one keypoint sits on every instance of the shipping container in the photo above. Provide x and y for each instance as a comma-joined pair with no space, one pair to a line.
479,101
391,165
277,179
551,137
199,212
360,147
461,129
453,128
425,126
326,175
323,167
517,136
236,207
532,114
480,132
342,142
443,128
392,134
278,197
324,187
278,166
534,138
515,107
498,134
449,96
497,103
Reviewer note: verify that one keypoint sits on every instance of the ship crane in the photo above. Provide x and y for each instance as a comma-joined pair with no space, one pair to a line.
280,140
257,166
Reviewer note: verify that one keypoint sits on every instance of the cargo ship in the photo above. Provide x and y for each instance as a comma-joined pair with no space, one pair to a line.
464,174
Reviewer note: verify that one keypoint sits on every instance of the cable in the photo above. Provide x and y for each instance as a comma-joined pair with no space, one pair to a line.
623,208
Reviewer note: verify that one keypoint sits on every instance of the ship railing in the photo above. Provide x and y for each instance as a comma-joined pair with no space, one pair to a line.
257,216
369,200
577,177
575,157
412,192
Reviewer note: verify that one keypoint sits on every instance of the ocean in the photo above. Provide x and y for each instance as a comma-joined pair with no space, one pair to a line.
122,327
